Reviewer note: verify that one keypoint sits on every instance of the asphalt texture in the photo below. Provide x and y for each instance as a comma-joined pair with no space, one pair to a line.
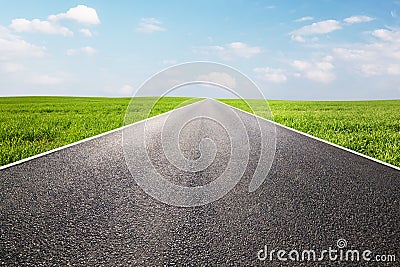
81,206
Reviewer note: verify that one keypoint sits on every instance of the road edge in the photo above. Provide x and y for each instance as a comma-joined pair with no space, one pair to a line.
123,127
316,138
87,139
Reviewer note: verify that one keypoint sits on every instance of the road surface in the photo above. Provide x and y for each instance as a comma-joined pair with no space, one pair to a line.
81,205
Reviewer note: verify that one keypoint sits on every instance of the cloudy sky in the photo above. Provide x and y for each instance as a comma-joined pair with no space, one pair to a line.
292,49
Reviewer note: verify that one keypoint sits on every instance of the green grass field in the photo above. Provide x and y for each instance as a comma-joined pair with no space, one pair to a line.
369,127
31,125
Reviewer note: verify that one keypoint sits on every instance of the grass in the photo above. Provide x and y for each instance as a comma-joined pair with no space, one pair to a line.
32,125
369,127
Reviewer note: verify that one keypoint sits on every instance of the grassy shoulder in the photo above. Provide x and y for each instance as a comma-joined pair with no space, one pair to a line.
32,125
369,127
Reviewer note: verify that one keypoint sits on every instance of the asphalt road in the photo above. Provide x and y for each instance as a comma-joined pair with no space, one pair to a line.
82,206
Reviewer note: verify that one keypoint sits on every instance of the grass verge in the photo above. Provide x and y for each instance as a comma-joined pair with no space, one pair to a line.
32,125
368,127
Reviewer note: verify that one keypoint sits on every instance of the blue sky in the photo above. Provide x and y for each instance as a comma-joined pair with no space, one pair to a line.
292,49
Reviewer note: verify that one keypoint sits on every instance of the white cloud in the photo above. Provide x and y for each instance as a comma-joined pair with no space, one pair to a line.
321,76
393,69
380,57
358,19
149,25
301,64
126,90
304,19
12,46
272,75
393,13
319,71
321,27
81,14
87,50
220,78
353,54
324,66
169,62
298,38
387,35
371,69
243,50
230,51
37,25
86,32
378,69
11,67
45,80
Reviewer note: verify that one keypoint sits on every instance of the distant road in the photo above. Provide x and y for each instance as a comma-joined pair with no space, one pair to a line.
81,206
